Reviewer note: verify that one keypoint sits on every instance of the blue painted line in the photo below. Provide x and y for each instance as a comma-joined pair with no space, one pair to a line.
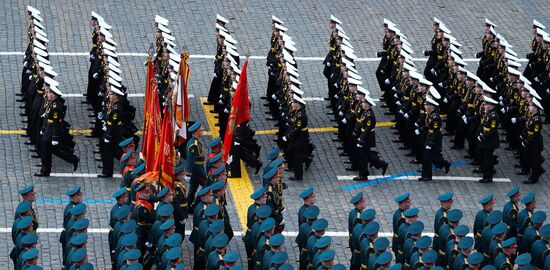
46,200
392,177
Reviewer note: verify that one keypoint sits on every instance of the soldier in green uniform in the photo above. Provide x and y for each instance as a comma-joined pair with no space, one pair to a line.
464,250
77,212
452,247
311,215
214,260
505,260
171,242
205,198
327,260
180,203
216,228
195,160
499,234
267,229
131,257
474,261
532,141
383,261
29,258
260,199
422,245
277,260
323,244
488,204
230,260
380,246
510,212
76,242
524,217
211,213
144,214
532,233
404,203
127,242
357,235
446,203
359,204
541,248
174,259
219,192
308,196
415,232
164,214
318,229
523,261
411,216
28,195
428,259
494,218
275,245
446,234
273,197
488,138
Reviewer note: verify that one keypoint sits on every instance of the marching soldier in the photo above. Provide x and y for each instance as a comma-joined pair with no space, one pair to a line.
488,139
114,131
532,142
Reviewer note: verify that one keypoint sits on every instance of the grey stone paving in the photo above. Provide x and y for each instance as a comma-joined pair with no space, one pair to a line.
192,23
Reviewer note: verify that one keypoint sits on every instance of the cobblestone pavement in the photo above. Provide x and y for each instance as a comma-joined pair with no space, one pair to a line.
192,23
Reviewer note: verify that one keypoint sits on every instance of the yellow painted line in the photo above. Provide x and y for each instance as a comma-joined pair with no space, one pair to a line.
240,188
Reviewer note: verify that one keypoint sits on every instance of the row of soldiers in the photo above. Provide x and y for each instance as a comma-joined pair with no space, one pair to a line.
285,101
508,239
351,104
44,106
222,90
111,112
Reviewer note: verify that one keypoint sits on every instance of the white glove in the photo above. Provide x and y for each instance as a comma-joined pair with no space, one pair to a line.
548,91
106,141
282,114
273,96
328,64
536,79
387,81
225,110
359,146
214,75
236,143
104,127
445,100
344,121
398,103
428,147
523,144
284,138
417,132
502,110
41,132
433,72
395,96
440,84
336,96
479,138
500,98
465,119
100,116
55,142
28,72
149,245
501,103
416,125
406,116
25,64
340,113
95,75
92,57
401,112
394,89
514,120
491,79
220,102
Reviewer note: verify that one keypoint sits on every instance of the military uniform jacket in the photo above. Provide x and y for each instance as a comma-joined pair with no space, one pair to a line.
115,116
433,130
368,123
53,115
489,130
180,202
195,158
532,133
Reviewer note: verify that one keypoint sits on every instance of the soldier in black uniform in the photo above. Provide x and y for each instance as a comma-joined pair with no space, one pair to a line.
180,202
298,137
113,130
55,138
367,139
432,144
532,142
488,139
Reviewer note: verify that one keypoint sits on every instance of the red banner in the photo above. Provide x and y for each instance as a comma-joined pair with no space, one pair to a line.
240,111
166,156
151,121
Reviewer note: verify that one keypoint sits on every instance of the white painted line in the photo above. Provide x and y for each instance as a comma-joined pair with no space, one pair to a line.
415,177
87,175
253,57
237,233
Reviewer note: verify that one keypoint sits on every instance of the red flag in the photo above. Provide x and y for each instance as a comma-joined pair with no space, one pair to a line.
240,111
166,156
181,98
151,121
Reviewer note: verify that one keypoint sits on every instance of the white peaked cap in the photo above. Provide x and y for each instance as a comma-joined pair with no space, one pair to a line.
295,81
40,52
489,100
113,82
277,20
434,92
334,19
161,20
431,101
536,103
298,99
116,90
489,22
369,99
50,81
221,19
296,90
537,24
